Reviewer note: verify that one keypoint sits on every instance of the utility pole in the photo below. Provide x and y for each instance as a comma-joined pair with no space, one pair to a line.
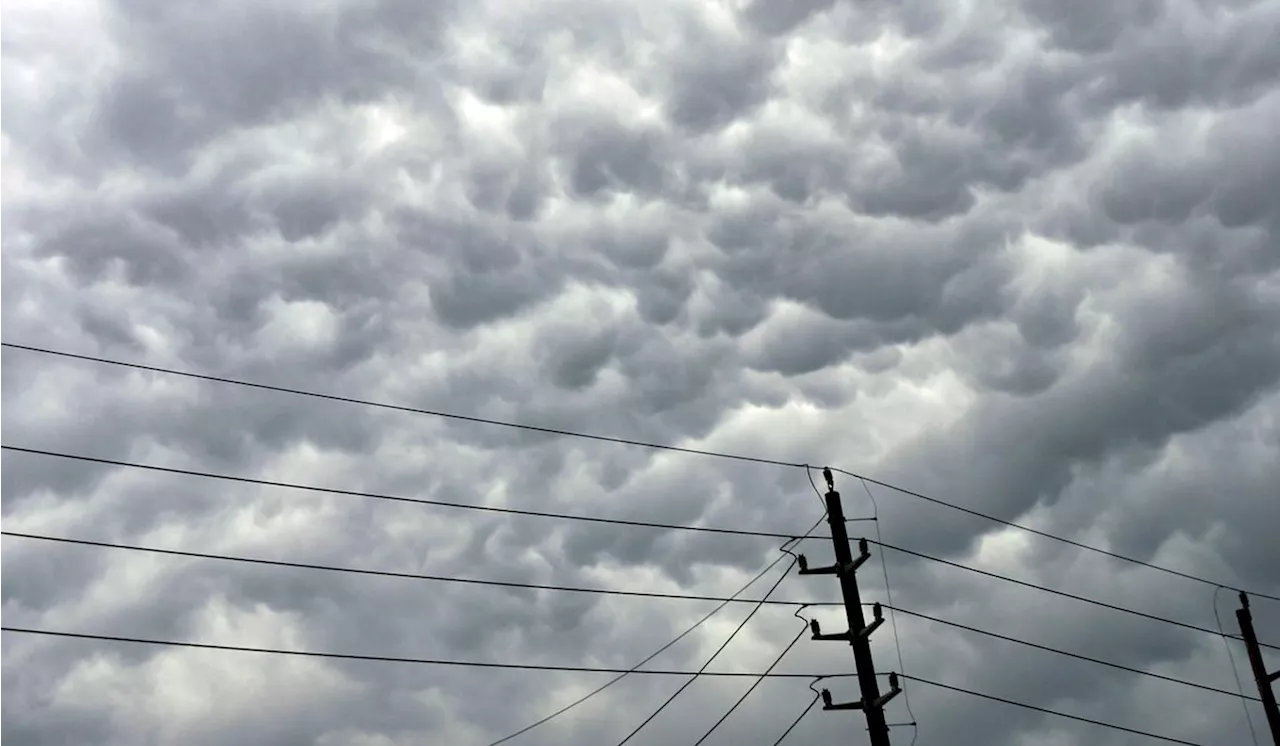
859,635
1260,674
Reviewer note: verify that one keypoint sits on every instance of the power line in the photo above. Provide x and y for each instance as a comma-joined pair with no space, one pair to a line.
1077,656
395,659
1047,711
753,686
723,645
637,666
397,498
406,575
1045,534
796,722
606,439
398,407
701,670
590,519
1054,591
723,600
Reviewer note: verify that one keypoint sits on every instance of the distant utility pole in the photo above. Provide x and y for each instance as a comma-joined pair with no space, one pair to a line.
1260,674
859,634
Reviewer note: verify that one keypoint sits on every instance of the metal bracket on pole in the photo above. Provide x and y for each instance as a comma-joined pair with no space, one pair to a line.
864,554
803,561
816,629
894,690
878,611
827,704
877,704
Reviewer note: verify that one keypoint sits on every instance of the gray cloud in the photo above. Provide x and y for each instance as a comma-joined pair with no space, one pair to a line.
1024,258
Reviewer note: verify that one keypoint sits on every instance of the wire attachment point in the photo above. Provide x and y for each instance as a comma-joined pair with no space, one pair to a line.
878,611
894,690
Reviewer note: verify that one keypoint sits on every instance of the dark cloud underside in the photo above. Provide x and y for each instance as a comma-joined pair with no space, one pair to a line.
1024,257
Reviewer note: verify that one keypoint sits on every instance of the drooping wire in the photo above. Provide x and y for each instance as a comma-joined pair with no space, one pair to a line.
808,472
1047,711
723,600
1045,534
701,669
729,639
799,717
592,519
1248,717
406,575
753,686
650,657
394,407
1064,594
893,616
388,658
399,498
607,439
1077,656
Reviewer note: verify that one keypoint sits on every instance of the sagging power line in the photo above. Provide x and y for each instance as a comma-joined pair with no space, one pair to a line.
722,600
394,658
583,518
643,661
874,700
666,703
410,575
1064,594
400,498
1047,711
616,440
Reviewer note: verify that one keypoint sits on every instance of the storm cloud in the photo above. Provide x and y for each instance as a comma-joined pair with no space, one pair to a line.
1024,257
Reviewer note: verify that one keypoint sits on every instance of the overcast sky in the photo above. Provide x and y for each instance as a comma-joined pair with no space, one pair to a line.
1024,257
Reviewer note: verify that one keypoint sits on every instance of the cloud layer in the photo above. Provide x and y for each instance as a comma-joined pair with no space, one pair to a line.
1024,257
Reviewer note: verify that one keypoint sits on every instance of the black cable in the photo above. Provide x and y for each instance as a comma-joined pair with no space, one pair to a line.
398,498
1056,592
808,472
723,600
796,722
394,659
723,645
704,666
601,438
409,576
1077,656
893,617
397,407
1045,534
753,686
650,657
1047,711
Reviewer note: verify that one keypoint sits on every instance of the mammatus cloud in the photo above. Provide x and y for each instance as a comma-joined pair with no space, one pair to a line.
1022,257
